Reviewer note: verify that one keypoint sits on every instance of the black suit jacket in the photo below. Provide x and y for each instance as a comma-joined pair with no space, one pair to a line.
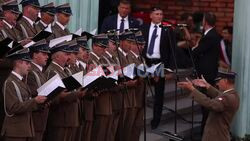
165,48
206,55
110,23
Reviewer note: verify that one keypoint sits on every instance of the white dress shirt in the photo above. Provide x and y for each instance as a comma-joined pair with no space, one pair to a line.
205,33
156,52
44,24
119,20
10,26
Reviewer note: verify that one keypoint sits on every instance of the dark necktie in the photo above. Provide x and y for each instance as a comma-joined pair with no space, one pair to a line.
152,41
122,25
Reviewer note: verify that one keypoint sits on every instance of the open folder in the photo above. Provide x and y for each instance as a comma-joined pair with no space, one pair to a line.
74,81
43,34
52,87
98,80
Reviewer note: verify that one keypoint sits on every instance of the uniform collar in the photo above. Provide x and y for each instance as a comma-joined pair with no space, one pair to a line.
38,66
136,56
44,24
108,54
122,51
98,58
17,75
60,25
10,26
226,91
29,21
58,65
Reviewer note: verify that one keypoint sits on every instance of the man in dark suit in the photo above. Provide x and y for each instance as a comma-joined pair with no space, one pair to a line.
206,54
120,21
157,50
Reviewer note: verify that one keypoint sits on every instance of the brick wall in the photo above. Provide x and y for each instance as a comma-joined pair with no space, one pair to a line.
223,9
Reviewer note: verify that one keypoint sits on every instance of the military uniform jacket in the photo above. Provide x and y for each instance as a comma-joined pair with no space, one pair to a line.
103,104
129,94
58,32
36,79
39,26
18,121
27,30
12,33
63,112
140,89
222,107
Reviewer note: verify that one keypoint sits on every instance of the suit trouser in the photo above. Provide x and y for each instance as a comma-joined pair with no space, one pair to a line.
158,100
16,139
61,133
102,128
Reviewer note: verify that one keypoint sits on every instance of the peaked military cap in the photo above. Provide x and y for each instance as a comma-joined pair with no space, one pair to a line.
74,46
64,8
23,54
49,8
64,47
34,3
11,6
127,35
225,75
101,40
82,42
40,46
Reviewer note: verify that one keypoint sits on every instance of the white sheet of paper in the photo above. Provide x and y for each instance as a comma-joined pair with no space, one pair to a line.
50,85
29,44
93,75
128,71
78,77
59,40
141,67
10,45
153,68
78,32
48,29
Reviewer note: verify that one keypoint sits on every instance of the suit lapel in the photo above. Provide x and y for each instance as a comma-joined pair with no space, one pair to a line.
29,27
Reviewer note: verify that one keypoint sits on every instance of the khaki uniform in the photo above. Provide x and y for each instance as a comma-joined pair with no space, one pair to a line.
63,116
36,79
39,26
222,108
18,122
12,33
27,30
139,103
129,100
103,110
58,32
116,97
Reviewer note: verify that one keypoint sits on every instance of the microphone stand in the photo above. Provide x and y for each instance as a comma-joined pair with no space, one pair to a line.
172,47
149,84
119,59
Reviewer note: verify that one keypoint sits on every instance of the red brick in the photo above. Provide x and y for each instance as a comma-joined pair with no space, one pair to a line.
209,9
225,10
219,14
201,4
175,7
208,0
218,4
230,5
226,19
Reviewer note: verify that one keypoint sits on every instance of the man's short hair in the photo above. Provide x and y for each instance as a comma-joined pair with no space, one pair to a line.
210,18
127,2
